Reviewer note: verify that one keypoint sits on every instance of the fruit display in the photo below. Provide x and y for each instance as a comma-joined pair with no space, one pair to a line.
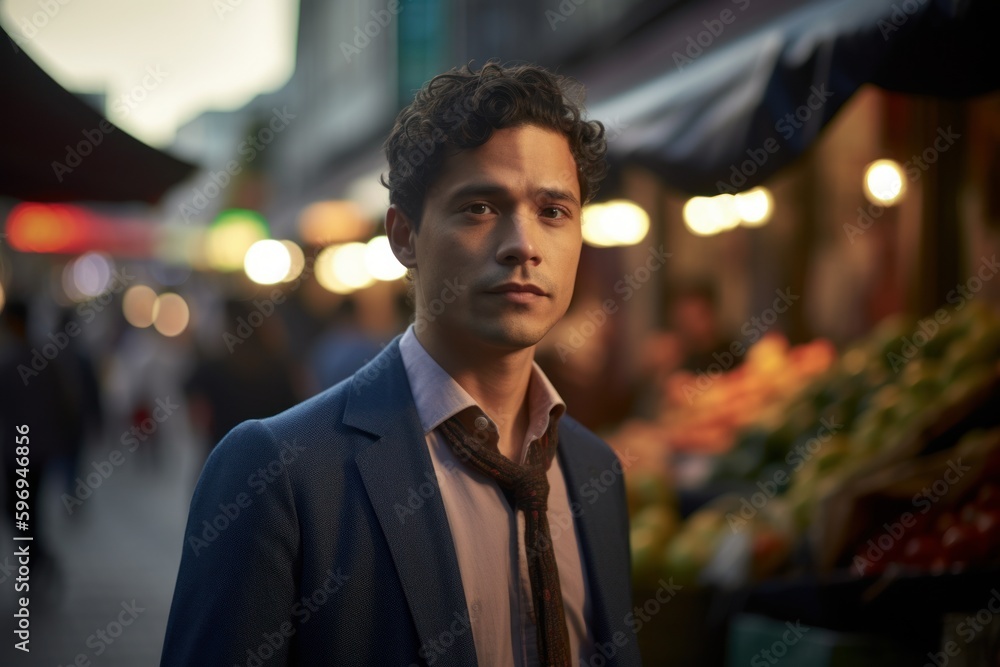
653,520
703,411
950,540
937,514
719,542
797,431
870,409
875,396
892,417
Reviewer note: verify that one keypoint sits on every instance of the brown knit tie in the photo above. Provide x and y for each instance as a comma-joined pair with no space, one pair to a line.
530,488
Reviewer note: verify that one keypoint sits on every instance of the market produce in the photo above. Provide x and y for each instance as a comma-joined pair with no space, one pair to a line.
703,411
792,427
870,402
663,545
932,531
653,520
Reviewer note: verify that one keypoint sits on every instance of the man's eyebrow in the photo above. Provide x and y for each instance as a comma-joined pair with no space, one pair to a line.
553,193
486,189
474,189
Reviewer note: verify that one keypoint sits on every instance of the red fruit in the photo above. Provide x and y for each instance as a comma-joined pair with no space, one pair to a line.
962,542
987,521
987,524
922,550
940,564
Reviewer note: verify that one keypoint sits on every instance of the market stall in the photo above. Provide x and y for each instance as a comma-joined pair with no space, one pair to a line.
833,484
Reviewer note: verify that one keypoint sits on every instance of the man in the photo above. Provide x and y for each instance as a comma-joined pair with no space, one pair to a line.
414,513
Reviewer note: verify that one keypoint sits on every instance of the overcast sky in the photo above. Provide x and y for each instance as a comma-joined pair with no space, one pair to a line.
160,62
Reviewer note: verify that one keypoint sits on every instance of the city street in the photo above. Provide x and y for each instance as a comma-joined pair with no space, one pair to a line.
118,556
732,261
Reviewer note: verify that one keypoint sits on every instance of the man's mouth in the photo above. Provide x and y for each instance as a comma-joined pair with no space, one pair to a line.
518,292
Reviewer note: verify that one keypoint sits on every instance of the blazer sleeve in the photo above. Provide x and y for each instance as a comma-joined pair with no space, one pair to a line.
240,565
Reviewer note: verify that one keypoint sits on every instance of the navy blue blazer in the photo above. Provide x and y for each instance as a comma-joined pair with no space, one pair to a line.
316,537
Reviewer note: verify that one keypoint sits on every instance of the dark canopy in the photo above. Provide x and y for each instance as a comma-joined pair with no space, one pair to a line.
767,83
56,148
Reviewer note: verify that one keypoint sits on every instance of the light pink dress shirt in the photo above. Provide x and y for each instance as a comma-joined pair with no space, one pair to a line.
489,535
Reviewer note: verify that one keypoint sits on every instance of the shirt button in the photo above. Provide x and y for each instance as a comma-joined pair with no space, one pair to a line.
482,423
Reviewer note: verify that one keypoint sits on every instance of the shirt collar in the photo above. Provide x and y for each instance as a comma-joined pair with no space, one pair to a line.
438,396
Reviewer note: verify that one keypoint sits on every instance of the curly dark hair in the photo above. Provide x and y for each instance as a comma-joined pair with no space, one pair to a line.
460,109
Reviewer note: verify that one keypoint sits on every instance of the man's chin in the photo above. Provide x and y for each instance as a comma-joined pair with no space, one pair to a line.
512,335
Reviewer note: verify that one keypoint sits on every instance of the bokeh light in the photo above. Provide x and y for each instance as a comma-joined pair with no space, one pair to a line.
705,216
230,237
91,274
267,262
326,276
86,277
138,305
697,216
618,222
170,314
297,261
35,227
884,182
349,265
334,221
380,262
754,207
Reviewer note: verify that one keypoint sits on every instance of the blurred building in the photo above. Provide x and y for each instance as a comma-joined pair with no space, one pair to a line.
689,92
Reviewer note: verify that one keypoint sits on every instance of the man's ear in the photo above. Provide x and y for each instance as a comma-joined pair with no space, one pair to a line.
402,236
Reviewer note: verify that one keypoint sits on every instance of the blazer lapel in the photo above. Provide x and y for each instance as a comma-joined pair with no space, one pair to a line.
395,469
607,575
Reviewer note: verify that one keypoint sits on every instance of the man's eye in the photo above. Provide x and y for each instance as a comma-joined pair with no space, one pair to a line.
478,209
553,212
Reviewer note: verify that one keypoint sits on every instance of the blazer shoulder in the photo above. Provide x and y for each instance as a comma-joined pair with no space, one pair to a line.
585,441
312,418
242,449
309,426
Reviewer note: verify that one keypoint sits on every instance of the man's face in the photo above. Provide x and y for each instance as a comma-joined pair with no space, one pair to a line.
498,245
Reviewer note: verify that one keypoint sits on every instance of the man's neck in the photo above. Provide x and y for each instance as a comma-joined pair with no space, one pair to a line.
497,380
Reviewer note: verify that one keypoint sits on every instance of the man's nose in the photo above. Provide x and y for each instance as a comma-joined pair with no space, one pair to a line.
518,244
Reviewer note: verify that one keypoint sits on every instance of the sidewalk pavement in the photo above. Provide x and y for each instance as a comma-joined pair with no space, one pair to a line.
117,555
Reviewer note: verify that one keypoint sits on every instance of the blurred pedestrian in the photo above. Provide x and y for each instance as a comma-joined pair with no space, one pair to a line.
85,415
691,340
254,376
34,396
343,348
